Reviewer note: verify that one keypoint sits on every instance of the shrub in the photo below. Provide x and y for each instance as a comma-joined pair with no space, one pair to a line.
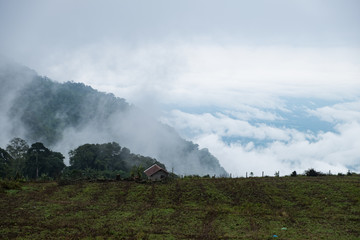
8,185
312,173
293,174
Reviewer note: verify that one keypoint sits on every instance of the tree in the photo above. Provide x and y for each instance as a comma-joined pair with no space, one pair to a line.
137,172
108,158
83,157
5,160
40,160
17,148
55,164
312,173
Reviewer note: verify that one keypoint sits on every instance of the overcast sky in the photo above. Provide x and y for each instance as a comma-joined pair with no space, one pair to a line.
233,61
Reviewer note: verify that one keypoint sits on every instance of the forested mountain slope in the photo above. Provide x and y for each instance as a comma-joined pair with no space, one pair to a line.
66,115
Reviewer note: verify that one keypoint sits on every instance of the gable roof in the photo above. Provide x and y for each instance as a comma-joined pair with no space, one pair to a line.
153,169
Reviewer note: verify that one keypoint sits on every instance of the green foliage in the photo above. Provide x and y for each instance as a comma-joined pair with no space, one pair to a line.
9,185
312,173
40,160
293,174
34,162
5,160
17,148
137,172
109,157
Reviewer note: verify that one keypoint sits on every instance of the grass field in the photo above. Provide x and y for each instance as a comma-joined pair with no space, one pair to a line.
252,208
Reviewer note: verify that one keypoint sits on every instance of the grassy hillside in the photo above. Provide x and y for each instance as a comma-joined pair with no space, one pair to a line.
253,208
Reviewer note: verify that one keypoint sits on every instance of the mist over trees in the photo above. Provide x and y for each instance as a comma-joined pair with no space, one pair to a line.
64,116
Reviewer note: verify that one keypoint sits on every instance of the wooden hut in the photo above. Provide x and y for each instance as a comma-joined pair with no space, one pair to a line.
156,173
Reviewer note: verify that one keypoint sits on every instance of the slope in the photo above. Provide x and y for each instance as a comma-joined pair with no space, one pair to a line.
253,208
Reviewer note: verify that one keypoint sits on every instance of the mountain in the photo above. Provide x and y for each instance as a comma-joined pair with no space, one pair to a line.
66,115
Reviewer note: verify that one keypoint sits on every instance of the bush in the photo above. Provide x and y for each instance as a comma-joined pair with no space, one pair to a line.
293,174
312,173
8,185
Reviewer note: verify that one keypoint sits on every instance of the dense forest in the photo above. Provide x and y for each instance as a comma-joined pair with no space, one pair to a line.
66,115
88,161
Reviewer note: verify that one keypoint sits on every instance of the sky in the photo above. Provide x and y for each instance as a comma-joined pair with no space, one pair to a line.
264,85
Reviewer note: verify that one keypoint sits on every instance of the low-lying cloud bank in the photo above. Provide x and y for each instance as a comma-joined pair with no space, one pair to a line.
283,149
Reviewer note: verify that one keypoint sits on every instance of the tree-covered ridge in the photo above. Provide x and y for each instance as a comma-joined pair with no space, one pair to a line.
66,115
46,108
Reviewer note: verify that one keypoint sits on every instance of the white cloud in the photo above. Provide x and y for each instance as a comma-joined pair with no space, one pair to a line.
334,152
211,75
225,126
286,149
342,112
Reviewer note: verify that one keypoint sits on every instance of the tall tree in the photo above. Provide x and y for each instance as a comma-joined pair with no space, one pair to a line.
40,160
5,160
17,148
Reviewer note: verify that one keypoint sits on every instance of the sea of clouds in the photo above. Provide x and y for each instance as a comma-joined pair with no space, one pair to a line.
255,108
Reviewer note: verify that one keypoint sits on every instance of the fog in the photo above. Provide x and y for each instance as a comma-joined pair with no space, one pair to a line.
13,78
261,84
98,118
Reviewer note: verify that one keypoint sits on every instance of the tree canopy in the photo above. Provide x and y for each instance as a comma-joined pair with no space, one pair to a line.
40,160
107,156
17,148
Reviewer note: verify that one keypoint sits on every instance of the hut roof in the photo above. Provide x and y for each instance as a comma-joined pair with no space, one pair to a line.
153,169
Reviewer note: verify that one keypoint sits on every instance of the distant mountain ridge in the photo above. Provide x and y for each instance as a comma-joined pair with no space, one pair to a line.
67,115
